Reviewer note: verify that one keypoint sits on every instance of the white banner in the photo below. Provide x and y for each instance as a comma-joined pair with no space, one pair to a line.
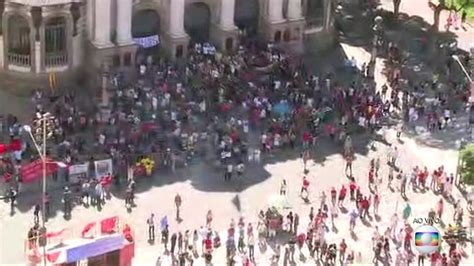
147,42
103,167
78,169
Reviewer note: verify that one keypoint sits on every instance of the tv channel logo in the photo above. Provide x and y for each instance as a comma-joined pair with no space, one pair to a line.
427,239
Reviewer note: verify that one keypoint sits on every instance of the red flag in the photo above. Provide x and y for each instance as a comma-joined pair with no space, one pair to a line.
87,228
55,234
3,148
52,257
33,171
108,225
15,145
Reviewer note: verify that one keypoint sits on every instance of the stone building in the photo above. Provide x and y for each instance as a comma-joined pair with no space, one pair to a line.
44,36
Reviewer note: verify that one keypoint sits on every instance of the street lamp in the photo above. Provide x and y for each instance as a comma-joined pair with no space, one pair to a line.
456,58
43,130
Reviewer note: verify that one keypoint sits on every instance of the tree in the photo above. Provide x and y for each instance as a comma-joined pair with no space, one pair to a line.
396,7
437,8
439,5
466,169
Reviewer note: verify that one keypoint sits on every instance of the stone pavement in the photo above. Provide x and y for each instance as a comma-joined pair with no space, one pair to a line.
323,175
202,188
420,8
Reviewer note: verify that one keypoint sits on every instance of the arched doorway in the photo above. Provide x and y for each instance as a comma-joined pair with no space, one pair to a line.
197,21
19,41
146,26
246,15
277,36
314,12
55,42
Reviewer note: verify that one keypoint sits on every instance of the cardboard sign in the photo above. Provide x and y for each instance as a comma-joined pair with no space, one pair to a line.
78,170
103,167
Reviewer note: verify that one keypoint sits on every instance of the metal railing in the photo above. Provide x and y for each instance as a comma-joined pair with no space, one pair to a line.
19,59
56,59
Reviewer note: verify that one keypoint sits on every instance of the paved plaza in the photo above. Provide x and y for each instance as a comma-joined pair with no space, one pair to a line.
202,188
201,192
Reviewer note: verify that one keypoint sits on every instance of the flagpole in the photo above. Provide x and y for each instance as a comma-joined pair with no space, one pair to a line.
43,121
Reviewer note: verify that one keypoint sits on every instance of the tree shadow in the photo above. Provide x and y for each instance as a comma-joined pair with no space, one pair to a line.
422,58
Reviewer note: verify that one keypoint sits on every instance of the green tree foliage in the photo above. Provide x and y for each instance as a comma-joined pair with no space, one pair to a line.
467,164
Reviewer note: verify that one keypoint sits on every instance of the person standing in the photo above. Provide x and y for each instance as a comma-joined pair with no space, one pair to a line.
439,208
180,242
228,172
304,188
36,214
311,214
177,202
342,196
323,199
333,195
240,168
376,203
283,187
348,163
47,210
151,227
209,217
174,238
342,251
296,222
251,245
67,198
403,184
12,196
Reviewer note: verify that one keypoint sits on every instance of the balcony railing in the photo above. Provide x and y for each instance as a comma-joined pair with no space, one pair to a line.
314,22
56,59
19,59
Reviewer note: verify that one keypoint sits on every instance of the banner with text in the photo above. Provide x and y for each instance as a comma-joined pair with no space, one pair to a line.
103,168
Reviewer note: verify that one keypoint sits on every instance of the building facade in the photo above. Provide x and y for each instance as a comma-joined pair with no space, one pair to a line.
44,36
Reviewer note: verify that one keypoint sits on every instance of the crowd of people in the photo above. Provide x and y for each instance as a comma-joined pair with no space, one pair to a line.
237,109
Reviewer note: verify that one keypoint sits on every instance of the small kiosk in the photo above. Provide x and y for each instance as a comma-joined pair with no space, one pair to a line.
111,248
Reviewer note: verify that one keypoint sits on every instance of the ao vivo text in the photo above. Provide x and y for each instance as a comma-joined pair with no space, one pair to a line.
428,220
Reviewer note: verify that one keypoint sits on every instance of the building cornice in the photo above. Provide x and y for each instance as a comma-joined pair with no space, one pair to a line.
43,2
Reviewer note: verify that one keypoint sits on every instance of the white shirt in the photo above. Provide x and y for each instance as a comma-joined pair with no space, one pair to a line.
447,113
246,126
101,139
142,69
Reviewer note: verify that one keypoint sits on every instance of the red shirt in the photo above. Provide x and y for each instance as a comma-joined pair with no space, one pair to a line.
306,136
208,243
352,186
305,183
343,192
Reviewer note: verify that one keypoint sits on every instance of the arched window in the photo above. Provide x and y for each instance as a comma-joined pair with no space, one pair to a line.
19,44
55,41
197,21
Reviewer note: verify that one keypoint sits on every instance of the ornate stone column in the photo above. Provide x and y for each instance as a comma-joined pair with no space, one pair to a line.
227,15
124,22
177,18
102,23
295,11
90,19
275,11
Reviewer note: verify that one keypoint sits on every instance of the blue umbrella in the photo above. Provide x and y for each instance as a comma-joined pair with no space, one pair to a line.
164,222
281,108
